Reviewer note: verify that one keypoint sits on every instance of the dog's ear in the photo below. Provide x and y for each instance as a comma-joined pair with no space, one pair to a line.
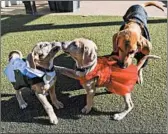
115,45
89,53
144,45
31,61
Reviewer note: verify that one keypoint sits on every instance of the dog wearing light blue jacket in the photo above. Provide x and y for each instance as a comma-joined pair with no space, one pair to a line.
37,73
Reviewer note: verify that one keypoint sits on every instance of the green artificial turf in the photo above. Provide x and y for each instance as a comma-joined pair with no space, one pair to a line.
149,113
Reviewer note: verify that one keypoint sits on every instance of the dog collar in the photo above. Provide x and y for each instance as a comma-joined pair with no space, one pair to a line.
84,69
44,69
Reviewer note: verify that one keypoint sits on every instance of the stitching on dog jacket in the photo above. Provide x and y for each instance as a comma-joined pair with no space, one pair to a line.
110,75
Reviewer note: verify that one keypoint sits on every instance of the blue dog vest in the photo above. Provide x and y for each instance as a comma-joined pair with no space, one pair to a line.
21,75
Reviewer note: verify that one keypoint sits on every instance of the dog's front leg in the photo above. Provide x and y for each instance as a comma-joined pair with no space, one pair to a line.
54,99
128,108
90,89
66,71
47,106
22,103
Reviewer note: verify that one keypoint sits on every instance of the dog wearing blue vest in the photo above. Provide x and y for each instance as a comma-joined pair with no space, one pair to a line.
37,73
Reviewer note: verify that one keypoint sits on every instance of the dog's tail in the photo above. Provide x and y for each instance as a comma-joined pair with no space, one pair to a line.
146,4
16,52
142,61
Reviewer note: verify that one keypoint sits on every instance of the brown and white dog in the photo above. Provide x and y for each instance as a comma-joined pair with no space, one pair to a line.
83,51
133,39
41,58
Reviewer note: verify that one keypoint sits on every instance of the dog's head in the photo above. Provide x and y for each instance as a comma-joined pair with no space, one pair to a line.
82,50
128,43
15,54
42,53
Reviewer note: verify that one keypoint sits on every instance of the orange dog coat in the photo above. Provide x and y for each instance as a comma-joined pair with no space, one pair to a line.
111,76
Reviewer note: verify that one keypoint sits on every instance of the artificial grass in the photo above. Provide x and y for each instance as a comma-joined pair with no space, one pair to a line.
22,32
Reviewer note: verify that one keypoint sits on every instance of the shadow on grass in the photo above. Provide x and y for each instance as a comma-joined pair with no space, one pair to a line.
16,23
35,112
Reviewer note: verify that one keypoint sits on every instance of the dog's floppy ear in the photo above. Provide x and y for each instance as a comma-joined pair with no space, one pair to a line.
89,53
115,45
31,61
144,45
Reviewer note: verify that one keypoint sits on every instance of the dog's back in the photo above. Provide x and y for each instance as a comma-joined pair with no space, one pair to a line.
139,12
140,16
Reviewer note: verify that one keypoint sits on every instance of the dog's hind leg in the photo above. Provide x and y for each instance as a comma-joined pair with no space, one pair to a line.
22,103
128,108
47,106
140,76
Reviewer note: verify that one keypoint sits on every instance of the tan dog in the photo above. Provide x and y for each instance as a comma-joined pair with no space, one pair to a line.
133,39
40,59
83,51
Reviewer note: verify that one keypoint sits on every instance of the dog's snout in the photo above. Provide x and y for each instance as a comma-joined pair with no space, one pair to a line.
56,44
65,45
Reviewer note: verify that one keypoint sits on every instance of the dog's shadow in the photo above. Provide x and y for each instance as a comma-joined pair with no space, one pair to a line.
63,82
35,112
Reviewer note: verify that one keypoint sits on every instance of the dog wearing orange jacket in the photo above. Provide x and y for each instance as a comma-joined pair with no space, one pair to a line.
133,39
93,71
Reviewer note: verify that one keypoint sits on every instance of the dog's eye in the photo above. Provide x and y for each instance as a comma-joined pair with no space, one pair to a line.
41,46
45,45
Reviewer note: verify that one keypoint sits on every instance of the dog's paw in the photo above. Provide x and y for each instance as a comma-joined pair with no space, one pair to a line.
23,105
59,105
53,120
118,116
86,110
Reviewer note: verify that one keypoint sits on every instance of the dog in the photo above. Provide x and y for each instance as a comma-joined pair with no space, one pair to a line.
133,39
37,73
93,71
